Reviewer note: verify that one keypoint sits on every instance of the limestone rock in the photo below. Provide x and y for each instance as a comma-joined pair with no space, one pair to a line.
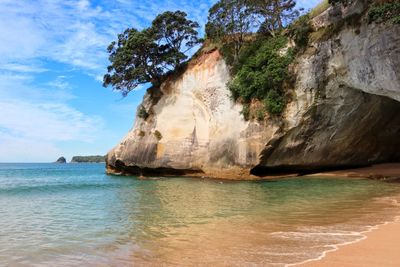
344,112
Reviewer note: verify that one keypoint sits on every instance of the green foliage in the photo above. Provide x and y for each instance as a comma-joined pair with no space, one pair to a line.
229,21
175,32
274,14
246,111
274,102
260,114
142,113
319,9
260,72
88,159
158,135
142,57
340,2
300,30
260,68
385,12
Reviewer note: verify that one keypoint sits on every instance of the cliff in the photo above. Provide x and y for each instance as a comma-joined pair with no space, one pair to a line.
343,112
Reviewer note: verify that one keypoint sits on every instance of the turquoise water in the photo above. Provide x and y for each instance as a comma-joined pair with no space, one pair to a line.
75,215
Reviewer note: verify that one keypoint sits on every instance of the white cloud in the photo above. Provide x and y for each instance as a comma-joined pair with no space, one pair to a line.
77,32
34,120
22,68
46,121
59,83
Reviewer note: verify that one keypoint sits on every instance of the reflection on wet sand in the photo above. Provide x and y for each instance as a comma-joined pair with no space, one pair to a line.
256,223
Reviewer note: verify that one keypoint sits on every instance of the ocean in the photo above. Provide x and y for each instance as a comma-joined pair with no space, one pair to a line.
76,215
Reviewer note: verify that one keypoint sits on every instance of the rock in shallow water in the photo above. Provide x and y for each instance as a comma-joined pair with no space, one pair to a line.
61,160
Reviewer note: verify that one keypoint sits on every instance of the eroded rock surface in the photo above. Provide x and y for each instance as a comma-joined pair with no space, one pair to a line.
345,111
194,128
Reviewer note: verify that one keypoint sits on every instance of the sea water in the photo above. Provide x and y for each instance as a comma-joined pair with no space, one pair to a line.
75,215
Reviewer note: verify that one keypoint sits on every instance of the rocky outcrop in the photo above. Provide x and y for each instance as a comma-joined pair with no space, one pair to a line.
339,117
344,111
194,128
61,160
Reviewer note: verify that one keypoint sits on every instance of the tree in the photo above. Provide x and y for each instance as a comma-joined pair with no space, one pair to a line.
231,19
135,60
142,57
175,31
274,13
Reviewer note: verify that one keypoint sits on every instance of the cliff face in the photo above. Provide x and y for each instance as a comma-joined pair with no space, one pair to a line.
344,112
193,128
339,116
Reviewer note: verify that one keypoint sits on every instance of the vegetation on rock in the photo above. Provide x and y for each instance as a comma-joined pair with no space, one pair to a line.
274,14
88,159
252,41
258,39
385,12
230,21
142,57
340,2
158,135
142,113
319,9
261,69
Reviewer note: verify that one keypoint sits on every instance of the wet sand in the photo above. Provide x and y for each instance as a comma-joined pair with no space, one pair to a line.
379,171
379,248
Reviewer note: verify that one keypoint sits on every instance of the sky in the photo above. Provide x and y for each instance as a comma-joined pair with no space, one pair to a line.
52,60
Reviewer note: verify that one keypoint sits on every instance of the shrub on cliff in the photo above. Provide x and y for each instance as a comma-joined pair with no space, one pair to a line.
141,57
142,113
300,30
260,72
385,12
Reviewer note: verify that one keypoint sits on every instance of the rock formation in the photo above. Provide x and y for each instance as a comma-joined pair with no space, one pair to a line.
61,160
344,111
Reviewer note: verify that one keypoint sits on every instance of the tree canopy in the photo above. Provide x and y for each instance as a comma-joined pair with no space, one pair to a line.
232,19
141,57
274,13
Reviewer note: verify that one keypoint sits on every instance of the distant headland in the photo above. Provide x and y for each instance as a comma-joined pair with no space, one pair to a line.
88,159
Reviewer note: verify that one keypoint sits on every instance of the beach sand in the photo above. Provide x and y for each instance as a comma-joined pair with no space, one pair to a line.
380,249
379,171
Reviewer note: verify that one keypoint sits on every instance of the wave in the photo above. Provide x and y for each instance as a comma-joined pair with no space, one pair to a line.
359,236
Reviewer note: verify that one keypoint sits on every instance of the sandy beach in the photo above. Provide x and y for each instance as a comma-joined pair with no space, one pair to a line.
378,171
381,245
379,248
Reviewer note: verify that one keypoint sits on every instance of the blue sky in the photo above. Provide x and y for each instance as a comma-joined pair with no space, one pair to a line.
52,59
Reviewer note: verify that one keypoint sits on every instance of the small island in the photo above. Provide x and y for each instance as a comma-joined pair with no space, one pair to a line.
61,160
88,159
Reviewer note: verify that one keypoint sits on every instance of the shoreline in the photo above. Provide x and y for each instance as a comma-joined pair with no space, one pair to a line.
385,171
377,247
